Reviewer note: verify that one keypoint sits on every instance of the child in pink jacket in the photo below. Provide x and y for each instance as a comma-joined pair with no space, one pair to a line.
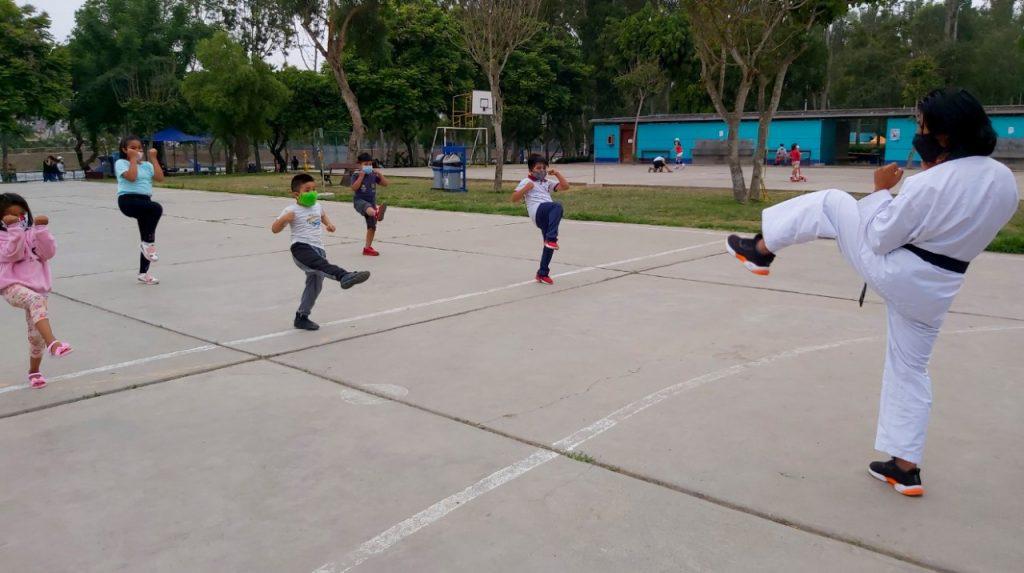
25,247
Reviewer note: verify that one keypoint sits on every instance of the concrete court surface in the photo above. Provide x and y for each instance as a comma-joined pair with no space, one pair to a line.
716,421
855,179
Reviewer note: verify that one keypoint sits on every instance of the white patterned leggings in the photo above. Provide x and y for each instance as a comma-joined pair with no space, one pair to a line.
35,310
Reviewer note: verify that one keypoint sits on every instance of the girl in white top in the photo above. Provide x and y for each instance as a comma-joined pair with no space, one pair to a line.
912,249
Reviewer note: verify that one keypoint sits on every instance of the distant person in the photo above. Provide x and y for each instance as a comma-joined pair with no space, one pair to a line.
10,173
364,199
535,190
307,219
59,168
135,178
794,158
48,169
295,163
780,155
678,148
659,165
26,247
913,249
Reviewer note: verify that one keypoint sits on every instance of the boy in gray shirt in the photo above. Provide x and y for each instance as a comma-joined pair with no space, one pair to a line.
306,217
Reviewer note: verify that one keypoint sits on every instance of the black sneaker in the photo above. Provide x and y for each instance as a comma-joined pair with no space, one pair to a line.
303,322
746,251
907,483
349,280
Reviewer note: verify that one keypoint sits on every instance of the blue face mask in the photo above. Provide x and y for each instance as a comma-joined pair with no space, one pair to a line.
367,169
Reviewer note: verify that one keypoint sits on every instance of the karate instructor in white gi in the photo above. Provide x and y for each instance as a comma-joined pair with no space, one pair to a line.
913,249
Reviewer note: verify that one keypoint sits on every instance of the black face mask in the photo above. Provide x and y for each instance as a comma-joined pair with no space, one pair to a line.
928,147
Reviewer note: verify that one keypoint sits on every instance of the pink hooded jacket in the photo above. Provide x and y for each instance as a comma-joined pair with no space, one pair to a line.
23,257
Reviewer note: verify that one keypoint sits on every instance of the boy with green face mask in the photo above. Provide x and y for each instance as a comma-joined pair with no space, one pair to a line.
306,218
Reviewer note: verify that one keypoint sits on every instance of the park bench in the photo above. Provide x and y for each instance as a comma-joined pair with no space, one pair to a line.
716,151
344,169
650,154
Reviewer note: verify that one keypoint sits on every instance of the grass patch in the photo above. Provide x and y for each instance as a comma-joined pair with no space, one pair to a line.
700,208
580,457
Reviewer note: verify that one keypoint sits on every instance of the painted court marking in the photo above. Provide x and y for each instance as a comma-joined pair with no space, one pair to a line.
117,366
396,310
396,533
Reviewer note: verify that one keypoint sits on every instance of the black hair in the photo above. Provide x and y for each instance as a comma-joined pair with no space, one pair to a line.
9,199
793,147
364,156
299,180
956,113
124,145
534,159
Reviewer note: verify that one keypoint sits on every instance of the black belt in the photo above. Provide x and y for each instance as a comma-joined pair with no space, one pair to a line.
941,261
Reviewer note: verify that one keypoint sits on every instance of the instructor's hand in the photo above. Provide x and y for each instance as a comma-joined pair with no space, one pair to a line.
887,176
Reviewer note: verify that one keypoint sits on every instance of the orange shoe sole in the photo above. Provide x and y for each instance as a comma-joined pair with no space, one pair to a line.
760,271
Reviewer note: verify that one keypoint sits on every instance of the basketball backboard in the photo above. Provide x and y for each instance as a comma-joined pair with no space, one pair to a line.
483,103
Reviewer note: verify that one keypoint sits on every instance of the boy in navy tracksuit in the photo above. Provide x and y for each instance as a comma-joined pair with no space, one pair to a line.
536,190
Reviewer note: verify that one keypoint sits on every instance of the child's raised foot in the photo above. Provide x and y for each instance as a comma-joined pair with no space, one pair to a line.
380,211
58,349
349,280
36,380
149,251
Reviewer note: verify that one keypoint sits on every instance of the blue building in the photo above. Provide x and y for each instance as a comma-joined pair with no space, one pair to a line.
823,136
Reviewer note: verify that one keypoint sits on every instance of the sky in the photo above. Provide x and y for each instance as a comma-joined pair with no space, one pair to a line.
62,17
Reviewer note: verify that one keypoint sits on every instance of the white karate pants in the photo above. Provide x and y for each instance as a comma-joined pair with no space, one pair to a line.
906,387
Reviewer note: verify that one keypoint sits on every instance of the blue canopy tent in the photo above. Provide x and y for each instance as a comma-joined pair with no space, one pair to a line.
175,135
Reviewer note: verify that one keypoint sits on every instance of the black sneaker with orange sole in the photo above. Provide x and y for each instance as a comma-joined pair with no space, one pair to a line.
906,482
745,250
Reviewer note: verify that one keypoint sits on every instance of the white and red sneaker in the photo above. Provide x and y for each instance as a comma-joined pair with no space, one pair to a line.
370,252
553,245
149,251
148,279
545,279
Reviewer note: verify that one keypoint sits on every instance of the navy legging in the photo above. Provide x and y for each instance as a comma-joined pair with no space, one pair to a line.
549,215
147,212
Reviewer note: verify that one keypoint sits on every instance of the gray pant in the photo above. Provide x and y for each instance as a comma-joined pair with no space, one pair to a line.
314,284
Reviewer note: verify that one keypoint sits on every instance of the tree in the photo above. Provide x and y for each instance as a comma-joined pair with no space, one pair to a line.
34,80
642,79
331,25
408,85
313,102
127,61
235,95
545,95
260,26
743,42
491,31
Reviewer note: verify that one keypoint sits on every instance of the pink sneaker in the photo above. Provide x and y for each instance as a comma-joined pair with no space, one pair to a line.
148,279
36,380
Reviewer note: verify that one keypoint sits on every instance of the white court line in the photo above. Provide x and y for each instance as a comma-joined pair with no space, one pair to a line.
378,314
464,296
395,534
117,366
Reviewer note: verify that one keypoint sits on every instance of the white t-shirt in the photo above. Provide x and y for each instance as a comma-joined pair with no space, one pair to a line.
306,226
541,193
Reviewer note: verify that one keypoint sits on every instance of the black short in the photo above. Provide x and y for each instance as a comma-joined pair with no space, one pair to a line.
659,163
361,205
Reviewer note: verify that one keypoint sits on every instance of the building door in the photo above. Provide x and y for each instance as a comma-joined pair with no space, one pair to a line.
626,143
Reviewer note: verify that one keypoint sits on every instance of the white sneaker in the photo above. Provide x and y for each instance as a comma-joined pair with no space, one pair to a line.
149,251
148,279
